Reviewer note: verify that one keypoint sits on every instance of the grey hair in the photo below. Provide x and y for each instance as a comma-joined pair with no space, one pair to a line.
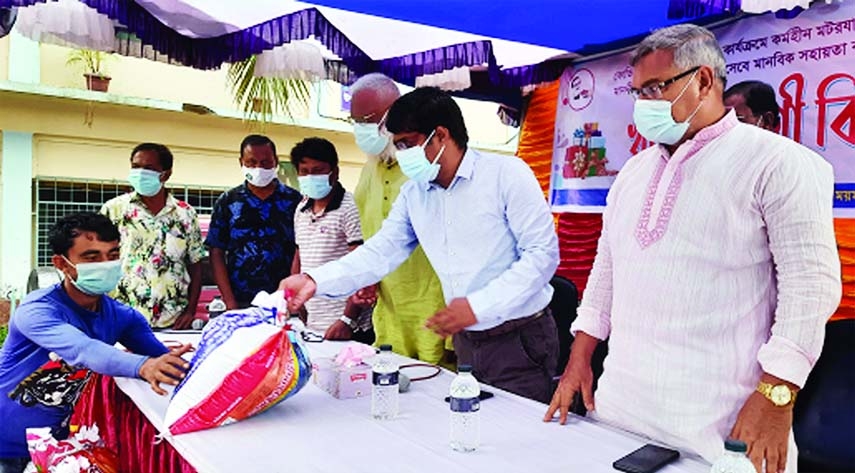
691,45
377,82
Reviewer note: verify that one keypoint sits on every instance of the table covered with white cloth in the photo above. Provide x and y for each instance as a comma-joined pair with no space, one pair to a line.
315,432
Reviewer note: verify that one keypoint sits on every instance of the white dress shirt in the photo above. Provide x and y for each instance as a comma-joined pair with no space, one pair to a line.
489,236
714,265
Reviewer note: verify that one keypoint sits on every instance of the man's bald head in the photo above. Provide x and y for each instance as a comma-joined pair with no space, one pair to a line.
371,95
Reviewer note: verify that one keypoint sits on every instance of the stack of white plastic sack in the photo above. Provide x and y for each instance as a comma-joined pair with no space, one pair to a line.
244,365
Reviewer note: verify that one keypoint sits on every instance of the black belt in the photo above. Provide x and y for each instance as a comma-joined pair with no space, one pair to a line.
504,328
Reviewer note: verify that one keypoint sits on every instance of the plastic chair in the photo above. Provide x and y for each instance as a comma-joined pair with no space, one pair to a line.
824,415
565,301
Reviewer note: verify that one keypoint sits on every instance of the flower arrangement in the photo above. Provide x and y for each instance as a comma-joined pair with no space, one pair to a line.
83,452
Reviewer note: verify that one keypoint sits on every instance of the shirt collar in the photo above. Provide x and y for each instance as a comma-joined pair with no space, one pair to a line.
279,189
171,201
334,203
705,135
464,171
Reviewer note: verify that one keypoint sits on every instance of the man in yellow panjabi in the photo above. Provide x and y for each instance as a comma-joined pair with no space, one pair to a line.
411,294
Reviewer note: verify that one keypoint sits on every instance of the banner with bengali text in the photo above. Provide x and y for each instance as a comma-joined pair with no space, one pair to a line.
809,60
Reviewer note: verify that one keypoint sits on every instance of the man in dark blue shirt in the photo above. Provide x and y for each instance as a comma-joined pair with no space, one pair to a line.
251,234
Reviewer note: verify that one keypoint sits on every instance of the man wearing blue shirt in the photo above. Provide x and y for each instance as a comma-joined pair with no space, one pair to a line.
59,334
486,229
251,234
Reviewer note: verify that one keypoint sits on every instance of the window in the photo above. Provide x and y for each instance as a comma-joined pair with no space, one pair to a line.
57,197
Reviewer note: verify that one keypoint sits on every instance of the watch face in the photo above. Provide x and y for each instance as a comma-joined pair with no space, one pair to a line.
780,395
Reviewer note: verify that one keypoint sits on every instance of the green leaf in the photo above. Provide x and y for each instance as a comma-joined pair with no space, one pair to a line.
260,98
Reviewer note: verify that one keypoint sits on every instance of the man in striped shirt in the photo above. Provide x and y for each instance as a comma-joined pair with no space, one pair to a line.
327,227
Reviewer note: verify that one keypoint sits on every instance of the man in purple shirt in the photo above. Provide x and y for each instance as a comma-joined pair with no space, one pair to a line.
59,335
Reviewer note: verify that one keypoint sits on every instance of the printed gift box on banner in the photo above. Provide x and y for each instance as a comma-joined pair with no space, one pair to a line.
346,376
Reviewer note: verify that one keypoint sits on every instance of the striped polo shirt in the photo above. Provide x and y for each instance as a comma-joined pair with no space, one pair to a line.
326,237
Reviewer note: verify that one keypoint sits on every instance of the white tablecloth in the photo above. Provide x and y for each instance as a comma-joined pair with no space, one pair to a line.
314,432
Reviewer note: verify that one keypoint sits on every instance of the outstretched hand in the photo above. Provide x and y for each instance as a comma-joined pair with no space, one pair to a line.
168,368
298,289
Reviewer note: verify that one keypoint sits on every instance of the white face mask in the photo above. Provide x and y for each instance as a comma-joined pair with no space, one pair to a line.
654,120
259,177
370,138
415,164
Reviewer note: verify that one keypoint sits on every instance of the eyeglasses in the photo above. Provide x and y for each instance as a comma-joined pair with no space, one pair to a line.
654,91
312,337
405,144
369,118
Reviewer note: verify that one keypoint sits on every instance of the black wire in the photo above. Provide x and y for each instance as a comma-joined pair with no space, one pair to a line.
425,365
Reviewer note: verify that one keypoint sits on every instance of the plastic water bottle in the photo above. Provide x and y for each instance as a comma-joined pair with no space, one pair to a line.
216,307
384,392
734,459
465,407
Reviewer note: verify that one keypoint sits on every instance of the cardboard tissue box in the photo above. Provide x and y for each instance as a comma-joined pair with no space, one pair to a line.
346,376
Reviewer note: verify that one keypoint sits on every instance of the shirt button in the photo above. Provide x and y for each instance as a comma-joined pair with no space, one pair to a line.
448,222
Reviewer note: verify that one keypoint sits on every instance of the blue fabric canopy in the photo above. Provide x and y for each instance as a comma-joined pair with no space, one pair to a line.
493,38
581,26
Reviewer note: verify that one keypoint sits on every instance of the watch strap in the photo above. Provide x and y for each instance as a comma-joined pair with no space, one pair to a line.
347,320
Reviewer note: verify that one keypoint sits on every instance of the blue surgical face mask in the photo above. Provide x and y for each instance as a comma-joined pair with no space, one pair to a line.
315,186
145,181
654,120
414,162
96,279
370,138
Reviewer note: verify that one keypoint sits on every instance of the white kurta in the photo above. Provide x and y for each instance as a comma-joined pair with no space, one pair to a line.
715,264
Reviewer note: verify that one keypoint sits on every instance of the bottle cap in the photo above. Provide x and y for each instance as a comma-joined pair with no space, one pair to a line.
385,347
733,445
464,368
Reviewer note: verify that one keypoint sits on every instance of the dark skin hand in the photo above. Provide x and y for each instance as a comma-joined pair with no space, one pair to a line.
169,368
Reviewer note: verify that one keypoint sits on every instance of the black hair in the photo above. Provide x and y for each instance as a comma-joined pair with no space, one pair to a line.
66,229
163,153
256,140
314,148
759,97
424,109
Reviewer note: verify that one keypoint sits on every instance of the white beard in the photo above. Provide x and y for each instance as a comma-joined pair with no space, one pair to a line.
387,157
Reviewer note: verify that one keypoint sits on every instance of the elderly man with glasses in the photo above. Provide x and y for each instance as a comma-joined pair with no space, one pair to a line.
716,270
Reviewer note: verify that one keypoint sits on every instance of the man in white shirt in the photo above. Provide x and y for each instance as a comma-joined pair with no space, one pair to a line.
716,270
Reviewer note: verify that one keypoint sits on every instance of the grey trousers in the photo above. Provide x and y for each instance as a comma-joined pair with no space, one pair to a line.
519,356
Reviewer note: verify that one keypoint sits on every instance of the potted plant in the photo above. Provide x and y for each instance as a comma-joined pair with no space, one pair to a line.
93,62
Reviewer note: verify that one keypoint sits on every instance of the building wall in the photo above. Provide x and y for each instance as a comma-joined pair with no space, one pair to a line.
205,147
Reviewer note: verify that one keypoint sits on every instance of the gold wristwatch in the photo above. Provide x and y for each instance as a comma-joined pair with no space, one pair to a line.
780,394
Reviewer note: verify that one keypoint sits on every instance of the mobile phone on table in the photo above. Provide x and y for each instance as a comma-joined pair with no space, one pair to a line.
646,459
484,395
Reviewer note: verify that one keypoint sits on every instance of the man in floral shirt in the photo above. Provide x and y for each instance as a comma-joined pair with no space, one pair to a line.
161,243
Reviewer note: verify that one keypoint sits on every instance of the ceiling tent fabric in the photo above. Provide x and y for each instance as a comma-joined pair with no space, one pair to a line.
503,46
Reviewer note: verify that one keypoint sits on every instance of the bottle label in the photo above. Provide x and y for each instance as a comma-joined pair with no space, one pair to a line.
467,404
385,379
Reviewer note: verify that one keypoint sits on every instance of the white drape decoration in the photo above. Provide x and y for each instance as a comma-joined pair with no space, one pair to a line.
67,23
763,6
295,60
451,79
